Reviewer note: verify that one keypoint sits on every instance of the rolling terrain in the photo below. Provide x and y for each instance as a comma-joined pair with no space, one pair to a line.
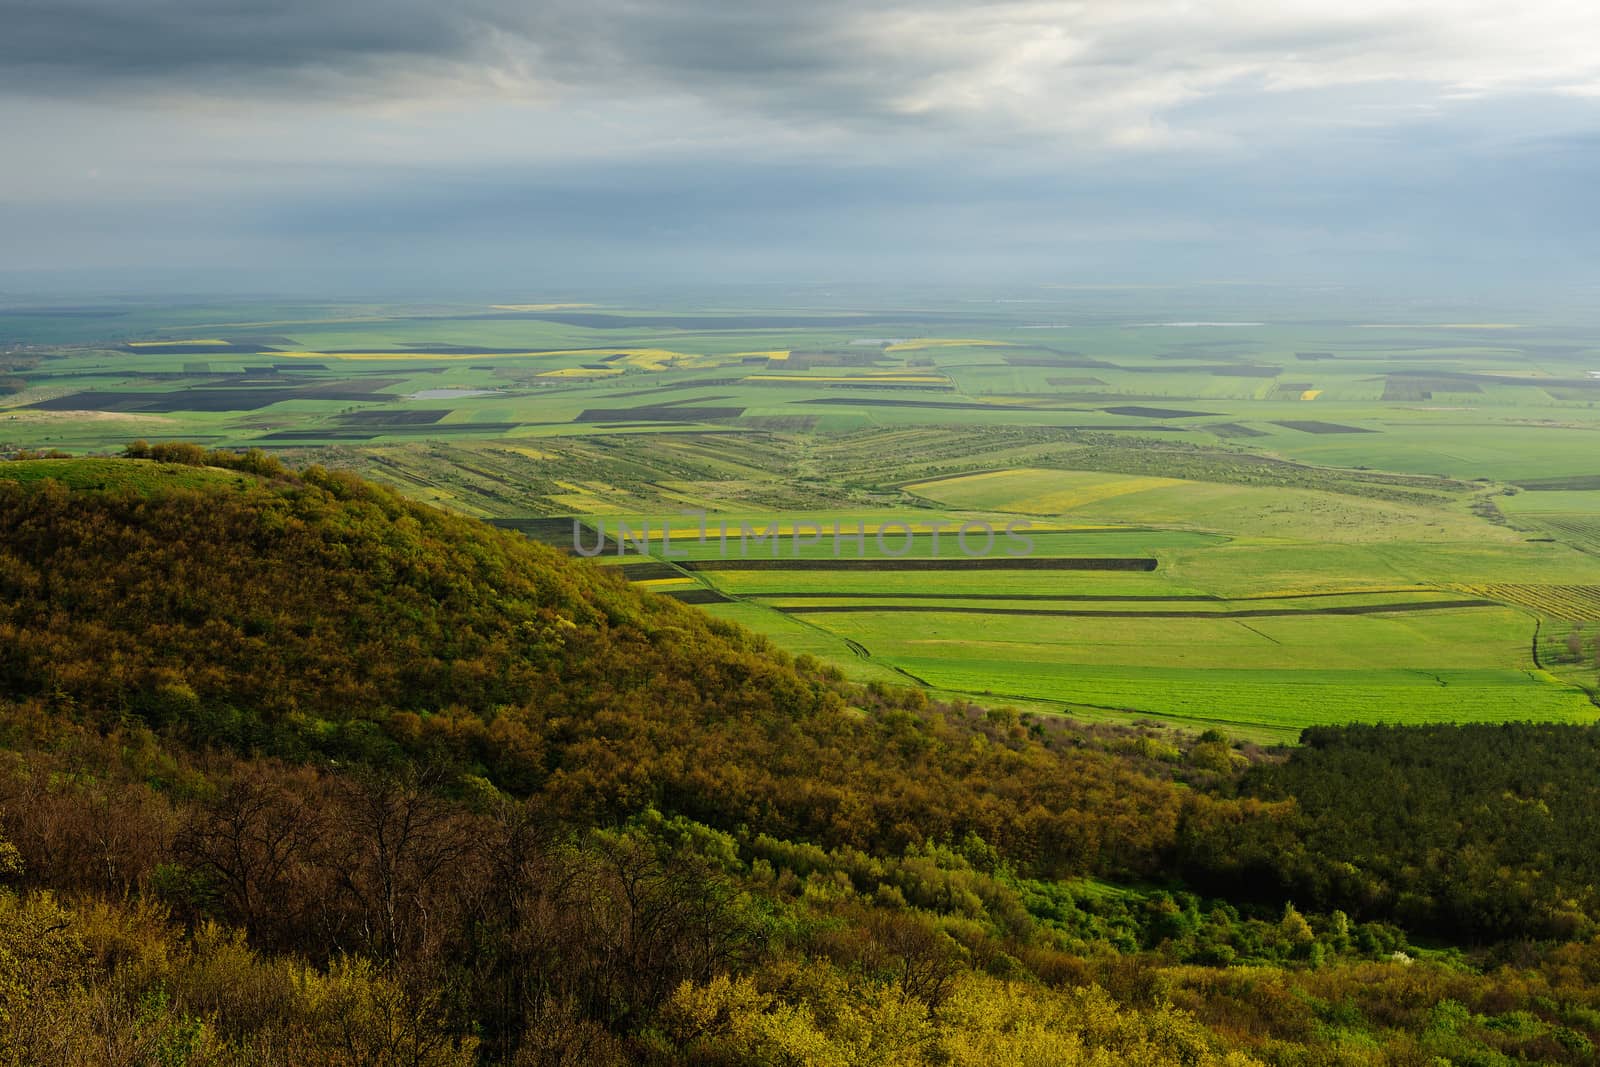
300,771
1382,519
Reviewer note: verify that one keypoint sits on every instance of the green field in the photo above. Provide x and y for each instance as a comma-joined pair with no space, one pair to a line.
101,474
1309,520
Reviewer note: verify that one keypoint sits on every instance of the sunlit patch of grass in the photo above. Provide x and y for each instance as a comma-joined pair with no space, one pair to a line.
1041,492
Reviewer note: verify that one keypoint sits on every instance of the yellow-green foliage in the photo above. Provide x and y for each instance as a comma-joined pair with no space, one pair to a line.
588,827
98,983
986,1022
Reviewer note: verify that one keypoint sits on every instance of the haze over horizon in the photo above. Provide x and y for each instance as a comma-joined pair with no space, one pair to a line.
363,146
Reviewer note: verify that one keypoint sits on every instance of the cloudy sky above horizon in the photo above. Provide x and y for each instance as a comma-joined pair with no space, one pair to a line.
368,144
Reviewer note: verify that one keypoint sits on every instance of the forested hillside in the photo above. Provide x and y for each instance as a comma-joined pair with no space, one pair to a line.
316,616
1475,831
294,770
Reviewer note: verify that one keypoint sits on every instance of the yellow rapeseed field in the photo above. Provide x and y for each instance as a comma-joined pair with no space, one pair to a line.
1081,496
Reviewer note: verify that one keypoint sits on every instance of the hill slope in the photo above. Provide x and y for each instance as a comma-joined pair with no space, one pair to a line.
314,614
318,595
295,771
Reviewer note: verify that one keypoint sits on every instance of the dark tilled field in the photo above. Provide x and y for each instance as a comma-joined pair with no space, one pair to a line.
645,572
198,399
696,596
659,413
413,417
1235,429
1315,426
1578,481
1135,411
986,563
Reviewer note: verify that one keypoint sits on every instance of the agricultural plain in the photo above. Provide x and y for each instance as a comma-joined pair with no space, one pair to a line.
1258,520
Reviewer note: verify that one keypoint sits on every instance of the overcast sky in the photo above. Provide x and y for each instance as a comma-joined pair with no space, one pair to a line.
367,144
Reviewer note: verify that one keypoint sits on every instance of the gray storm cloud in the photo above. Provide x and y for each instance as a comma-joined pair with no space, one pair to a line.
1217,139
1044,61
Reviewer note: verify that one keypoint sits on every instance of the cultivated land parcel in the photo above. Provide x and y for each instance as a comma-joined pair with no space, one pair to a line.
1259,521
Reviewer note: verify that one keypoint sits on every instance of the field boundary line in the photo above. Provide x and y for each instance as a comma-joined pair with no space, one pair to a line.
1248,613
